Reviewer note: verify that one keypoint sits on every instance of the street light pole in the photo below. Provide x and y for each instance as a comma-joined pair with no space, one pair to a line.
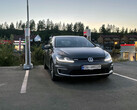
28,65
27,14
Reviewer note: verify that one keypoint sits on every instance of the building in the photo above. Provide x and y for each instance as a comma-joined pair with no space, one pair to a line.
129,51
110,41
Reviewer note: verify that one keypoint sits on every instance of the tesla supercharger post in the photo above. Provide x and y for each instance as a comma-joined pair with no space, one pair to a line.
28,65
87,34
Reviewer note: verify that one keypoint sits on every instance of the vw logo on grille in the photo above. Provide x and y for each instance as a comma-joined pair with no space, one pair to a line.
90,59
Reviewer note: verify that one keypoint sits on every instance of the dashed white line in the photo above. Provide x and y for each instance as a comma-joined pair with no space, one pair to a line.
125,77
24,84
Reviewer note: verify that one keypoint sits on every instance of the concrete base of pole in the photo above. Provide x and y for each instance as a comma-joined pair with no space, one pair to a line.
27,67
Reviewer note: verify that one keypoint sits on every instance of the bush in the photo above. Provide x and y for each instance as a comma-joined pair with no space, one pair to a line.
119,60
115,53
7,57
37,55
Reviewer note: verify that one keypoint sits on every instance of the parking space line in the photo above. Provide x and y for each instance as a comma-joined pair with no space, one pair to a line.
24,84
125,77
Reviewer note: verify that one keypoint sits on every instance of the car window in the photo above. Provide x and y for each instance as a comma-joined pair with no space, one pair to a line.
72,42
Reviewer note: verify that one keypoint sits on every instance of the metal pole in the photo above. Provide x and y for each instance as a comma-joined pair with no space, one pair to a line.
28,65
27,14
28,42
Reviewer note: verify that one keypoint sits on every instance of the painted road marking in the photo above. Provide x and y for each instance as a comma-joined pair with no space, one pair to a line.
2,84
24,84
125,77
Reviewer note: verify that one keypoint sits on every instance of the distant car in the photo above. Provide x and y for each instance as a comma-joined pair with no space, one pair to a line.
75,56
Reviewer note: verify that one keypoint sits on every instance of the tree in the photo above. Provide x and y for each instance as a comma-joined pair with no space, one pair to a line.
41,25
135,31
20,25
113,28
17,25
122,30
80,27
56,27
51,25
87,27
11,37
75,27
69,27
103,30
109,29
126,31
64,27
94,30
32,25
1,26
12,26
60,25
48,24
23,26
6,25
117,30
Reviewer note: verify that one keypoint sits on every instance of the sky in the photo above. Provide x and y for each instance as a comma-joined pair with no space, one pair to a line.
93,13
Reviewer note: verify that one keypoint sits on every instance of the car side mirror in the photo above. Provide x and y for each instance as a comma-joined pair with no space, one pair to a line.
47,47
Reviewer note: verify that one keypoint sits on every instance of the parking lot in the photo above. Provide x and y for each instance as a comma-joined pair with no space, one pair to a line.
34,90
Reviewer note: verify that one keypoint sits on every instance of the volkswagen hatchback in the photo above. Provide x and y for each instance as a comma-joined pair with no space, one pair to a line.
75,56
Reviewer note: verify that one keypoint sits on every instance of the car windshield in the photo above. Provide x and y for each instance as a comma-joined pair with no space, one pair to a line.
63,42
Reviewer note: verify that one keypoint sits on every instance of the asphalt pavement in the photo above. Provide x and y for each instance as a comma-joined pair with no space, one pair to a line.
113,93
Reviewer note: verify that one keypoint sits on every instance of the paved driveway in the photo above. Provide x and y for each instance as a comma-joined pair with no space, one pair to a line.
114,93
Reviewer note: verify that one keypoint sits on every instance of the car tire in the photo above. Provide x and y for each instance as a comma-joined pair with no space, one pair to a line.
52,72
45,66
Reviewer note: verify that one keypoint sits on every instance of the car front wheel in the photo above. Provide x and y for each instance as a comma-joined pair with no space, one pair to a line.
52,71
45,66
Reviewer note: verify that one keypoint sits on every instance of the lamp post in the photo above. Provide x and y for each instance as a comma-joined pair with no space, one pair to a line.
28,65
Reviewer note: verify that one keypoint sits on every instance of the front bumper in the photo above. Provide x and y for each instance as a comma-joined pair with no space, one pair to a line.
74,69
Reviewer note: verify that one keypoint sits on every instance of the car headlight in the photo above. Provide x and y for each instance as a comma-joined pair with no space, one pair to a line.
64,59
107,57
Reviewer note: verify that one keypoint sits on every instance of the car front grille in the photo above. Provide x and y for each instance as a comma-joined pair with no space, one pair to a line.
86,59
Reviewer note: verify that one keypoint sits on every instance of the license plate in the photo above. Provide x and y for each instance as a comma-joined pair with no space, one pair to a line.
90,67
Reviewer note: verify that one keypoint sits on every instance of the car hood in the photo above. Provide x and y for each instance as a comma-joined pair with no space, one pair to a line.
94,52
